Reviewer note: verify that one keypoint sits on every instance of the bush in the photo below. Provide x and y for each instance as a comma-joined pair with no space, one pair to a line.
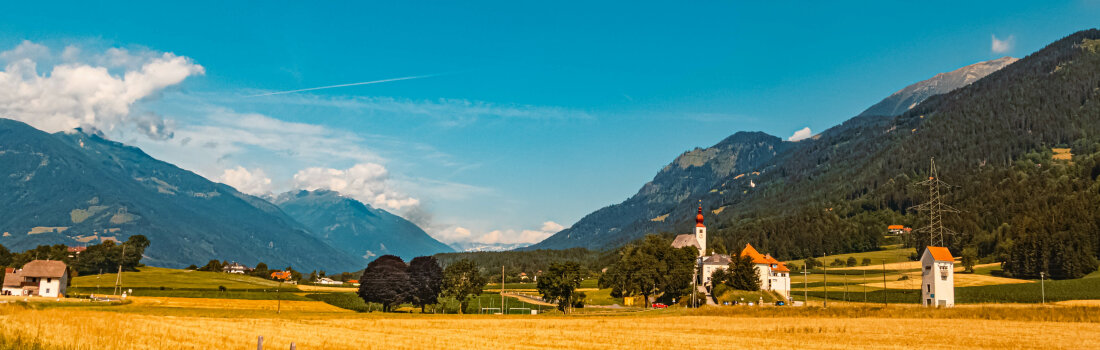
837,263
578,300
903,278
222,288
866,262
851,261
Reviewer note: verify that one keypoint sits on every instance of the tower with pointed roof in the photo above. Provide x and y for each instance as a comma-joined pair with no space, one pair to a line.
701,232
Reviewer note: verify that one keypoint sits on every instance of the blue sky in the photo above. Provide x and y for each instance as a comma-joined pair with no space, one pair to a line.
532,114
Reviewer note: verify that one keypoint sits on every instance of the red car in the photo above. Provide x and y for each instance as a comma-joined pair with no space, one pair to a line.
659,306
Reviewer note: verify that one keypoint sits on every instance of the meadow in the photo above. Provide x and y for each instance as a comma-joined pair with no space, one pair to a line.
158,323
335,318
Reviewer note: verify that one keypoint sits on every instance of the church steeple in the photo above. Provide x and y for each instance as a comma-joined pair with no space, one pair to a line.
701,231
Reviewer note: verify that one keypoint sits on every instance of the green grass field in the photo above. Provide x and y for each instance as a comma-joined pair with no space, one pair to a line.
156,277
890,254
162,282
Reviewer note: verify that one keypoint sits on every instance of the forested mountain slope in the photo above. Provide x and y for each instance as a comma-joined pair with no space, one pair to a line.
994,140
691,175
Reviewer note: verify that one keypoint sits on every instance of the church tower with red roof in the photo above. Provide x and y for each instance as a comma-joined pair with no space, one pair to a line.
701,232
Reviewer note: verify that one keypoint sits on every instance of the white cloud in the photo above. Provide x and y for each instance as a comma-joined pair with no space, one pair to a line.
253,182
78,94
366,182
552,227
26,50
511,236
801,134
452,234
1002,46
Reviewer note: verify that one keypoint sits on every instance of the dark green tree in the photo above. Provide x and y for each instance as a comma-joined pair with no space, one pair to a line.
743,274
427,281
559,284
212,265
969,257
386,281
651,267
462,280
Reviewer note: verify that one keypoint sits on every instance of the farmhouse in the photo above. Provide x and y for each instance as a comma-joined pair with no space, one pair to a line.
236,268
326,280
47,278
937,277
774,275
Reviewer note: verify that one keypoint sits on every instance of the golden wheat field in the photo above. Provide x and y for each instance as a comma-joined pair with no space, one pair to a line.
169,323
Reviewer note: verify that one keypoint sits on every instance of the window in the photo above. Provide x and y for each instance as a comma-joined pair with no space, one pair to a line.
929,287
47,291
48,280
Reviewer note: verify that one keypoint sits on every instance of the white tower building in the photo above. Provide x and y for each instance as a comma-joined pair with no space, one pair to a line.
701,232
937,277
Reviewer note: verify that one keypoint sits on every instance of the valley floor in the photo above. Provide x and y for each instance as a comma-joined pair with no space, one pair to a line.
195,323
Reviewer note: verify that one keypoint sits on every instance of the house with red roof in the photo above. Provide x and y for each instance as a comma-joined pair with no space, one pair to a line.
774,275
46,278
937,277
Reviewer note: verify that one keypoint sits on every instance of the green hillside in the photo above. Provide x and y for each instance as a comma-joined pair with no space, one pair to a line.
993,140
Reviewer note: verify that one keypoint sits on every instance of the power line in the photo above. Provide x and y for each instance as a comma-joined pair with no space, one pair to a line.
935,207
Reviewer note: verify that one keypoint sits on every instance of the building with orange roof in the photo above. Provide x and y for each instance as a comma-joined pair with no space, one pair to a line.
937,277
774,275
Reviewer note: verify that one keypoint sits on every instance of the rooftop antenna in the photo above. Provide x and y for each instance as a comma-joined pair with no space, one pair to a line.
935,208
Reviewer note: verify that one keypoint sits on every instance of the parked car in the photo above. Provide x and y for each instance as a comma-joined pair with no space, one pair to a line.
780,303
659,306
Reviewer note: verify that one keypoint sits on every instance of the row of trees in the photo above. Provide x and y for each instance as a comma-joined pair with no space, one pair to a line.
104,257
390,282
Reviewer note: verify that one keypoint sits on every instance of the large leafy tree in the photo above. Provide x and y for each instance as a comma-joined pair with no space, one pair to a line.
559,284
385,281
461,280
427,280
651,268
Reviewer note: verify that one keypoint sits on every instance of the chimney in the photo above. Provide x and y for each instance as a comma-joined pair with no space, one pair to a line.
9,270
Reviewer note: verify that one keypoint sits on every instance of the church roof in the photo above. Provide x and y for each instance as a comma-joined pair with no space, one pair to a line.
940,253
686,240
717,259
699,218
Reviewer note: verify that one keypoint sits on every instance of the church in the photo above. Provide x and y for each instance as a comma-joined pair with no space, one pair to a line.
774,275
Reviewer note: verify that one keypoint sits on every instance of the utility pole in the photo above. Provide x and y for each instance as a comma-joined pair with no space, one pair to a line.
1043,286
694,285
825,272
864,286
884,302
805,286
118,279
502,290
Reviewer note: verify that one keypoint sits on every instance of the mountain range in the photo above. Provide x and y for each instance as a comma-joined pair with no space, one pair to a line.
357,228
78,188
912,95
991,128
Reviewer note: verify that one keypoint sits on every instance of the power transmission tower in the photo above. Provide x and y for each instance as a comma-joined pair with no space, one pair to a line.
935,207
